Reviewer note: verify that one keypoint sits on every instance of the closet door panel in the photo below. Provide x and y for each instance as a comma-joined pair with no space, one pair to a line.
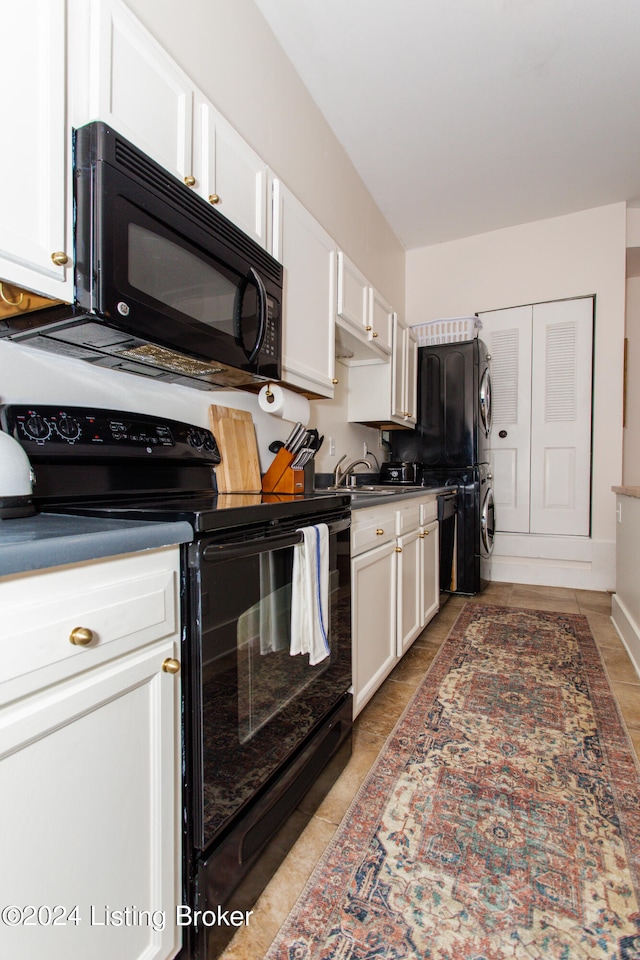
561,422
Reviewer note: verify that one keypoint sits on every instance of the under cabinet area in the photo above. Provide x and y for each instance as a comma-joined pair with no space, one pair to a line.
395,586
90,757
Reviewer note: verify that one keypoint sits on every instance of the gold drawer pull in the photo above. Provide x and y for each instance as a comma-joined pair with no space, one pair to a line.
214,198
398,549
81,636
171,666
60,258
190,180
379,532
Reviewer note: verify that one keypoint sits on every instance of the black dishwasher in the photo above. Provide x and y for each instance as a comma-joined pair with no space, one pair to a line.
447,514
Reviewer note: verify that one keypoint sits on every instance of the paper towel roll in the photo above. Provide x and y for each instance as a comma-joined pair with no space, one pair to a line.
284,403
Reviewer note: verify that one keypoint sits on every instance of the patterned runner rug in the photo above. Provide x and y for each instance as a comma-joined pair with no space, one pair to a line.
502,818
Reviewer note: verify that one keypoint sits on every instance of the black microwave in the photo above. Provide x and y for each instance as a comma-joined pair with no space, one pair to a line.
165,285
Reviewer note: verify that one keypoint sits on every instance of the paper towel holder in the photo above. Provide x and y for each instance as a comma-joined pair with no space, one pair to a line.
268,394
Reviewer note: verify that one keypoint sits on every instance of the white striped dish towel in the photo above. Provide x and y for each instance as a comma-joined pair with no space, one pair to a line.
310,594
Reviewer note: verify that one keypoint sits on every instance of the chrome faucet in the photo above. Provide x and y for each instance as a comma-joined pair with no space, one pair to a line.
340,478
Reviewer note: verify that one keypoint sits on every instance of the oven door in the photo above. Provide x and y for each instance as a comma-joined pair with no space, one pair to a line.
253,704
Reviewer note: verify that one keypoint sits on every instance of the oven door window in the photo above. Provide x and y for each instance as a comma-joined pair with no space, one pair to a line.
258,702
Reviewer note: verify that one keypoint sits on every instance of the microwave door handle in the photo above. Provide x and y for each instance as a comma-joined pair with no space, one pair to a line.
262,304
252,277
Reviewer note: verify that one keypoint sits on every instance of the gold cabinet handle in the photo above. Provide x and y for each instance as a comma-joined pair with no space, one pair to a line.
214,198
375,333
335,380
398,549
60,258
171,666
81,636
422,535
379,532
367,329
190,180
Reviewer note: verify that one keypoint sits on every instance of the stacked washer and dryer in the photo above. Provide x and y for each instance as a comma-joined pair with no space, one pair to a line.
450,443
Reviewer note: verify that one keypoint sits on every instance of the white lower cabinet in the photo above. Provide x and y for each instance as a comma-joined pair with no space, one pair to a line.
395,586
373,584
89,760
430,567
409,590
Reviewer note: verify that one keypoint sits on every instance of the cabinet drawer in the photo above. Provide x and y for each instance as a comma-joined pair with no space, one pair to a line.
407,516
371,527
125,602
428,511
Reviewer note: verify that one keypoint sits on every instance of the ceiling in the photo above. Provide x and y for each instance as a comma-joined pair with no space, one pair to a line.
465,116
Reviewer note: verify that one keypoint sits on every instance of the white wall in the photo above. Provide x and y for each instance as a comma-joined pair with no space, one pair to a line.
625,607
228,51
631,459
563,257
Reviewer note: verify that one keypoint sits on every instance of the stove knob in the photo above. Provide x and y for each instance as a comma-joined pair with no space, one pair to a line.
68,427
37,427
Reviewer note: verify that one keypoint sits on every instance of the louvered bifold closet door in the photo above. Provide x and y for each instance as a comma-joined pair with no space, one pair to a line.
507,334
561,417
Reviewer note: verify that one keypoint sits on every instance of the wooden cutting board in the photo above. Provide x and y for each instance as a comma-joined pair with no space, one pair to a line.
239,470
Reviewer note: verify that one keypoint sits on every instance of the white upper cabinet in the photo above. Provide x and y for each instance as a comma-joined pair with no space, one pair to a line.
308,255
126,79
228,173
404,375
35,234
380,325
353,295
363,318
132,84
383,394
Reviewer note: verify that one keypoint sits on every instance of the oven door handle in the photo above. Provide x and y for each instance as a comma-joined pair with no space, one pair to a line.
247,548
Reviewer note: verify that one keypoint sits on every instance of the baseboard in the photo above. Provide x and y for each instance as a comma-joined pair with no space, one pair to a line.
628,630
579,563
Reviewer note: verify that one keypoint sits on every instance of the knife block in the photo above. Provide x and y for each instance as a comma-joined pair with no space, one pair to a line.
280,477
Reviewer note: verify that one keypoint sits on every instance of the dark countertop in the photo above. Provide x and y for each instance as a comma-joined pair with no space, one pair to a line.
361,497
50,540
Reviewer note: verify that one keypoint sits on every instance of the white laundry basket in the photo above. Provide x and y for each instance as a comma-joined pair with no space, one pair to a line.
450,330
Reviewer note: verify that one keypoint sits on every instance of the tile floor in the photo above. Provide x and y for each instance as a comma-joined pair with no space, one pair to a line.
377,720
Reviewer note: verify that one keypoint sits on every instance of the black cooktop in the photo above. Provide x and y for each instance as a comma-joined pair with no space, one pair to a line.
211,511
123,465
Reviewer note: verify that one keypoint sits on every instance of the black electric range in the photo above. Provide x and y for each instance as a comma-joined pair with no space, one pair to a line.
260,721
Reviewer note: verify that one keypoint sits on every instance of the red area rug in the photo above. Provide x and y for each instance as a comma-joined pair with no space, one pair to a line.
502,818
